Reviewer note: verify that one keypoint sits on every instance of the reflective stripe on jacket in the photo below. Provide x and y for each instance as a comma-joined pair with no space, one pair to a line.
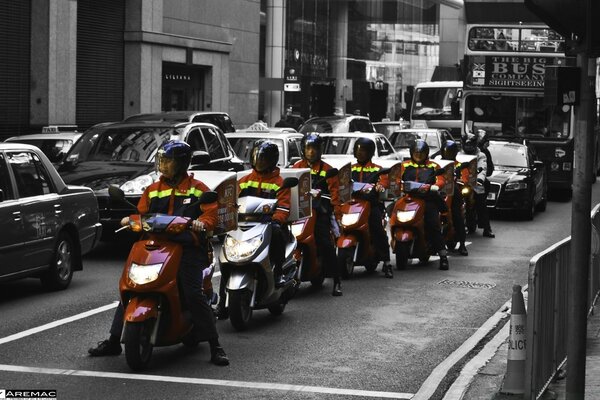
422,173
267,186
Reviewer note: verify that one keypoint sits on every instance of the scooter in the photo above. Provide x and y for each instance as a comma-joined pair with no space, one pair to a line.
244,258
154,313
354,244
407,223
311,268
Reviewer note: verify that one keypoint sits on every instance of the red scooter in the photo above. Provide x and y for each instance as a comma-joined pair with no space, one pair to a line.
155,314
354,244
311,268
407,223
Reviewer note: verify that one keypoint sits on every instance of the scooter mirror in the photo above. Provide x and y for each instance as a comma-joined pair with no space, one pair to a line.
440,171
289,183
331,173
208,197
116,193
375,177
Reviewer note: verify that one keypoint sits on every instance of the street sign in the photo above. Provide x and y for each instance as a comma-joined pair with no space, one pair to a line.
291,81
291,87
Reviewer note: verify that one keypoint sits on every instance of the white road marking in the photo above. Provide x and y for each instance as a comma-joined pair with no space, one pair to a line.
207,382
59,322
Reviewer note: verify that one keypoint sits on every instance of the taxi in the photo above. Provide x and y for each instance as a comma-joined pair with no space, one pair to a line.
55,140
51,224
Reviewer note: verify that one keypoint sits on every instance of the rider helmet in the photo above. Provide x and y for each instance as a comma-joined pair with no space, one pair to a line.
264,156
368,149
449,150
312,139
419,151
179,152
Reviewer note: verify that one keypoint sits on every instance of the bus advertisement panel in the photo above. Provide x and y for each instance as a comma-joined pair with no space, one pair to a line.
503,93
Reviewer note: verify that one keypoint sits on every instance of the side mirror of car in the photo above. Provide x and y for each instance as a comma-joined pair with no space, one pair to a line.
200,158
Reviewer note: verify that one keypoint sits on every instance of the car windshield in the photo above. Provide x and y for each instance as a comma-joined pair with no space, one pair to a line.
509,155
54,149
323,126
386,129
120,144
406,139
338,145
243,147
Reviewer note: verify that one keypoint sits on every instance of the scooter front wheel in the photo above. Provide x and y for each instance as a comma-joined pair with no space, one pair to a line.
402,252
138,349
239,308
345,260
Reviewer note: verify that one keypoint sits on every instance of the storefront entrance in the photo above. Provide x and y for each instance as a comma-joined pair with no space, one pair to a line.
182,87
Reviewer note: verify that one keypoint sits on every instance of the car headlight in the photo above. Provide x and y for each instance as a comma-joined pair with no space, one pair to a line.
519,185
241,250
297,228
405,216
142,274
138,185
350,219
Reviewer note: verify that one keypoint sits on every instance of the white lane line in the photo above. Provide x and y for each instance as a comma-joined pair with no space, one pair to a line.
207,382
59,322
431,384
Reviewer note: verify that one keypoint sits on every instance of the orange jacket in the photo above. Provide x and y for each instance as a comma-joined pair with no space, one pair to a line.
363,173
159,197
317,172
411,171
266,185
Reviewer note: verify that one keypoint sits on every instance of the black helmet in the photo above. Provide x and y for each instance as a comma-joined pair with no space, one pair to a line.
469,143
176,150
449,150
315,140
264,155
419,151
366,144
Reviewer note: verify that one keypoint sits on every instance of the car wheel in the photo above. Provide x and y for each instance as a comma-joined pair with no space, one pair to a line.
544,202
60,273
528,214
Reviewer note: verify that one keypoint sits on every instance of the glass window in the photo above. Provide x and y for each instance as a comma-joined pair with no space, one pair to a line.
30,174
5,183
383,148
338,145
294,147
509,155
195,140
489,38
213,144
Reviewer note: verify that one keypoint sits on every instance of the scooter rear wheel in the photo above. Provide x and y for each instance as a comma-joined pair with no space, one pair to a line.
138,349
345,259
239,308
402,252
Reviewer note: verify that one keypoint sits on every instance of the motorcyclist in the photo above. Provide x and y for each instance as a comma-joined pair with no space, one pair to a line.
470,145
170,195
265,181
484,216
312,149
420,169
449,152
362,171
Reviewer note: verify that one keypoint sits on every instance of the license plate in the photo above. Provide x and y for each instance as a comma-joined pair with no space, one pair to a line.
491,196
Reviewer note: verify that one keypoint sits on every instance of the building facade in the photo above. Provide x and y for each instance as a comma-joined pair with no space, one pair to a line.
85,62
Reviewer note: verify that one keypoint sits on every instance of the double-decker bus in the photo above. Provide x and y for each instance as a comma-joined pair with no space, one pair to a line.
503,93
437,105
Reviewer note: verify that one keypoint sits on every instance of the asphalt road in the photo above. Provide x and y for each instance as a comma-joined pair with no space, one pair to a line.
382,338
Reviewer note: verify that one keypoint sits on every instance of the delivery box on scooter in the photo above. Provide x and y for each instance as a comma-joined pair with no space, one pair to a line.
225,184
448,167
471,162
301,200
344,167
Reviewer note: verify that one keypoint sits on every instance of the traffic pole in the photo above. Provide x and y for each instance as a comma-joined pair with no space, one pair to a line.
514,379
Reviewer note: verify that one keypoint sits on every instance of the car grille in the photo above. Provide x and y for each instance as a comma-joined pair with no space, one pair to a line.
494,192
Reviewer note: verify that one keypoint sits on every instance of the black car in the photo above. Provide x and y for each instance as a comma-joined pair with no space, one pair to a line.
338,123
519,180
217,118
123,154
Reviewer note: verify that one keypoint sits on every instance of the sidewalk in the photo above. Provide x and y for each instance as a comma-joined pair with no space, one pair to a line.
487,384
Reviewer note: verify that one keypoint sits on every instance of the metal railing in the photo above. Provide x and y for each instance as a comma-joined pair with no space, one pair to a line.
547,309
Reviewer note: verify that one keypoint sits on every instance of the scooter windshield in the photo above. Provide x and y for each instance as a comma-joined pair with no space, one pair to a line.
158,222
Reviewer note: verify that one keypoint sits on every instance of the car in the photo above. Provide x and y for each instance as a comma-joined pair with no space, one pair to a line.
338,123
519,181
341,145
55,141
289,144
218,118
48,226
123,154
389,127
404,138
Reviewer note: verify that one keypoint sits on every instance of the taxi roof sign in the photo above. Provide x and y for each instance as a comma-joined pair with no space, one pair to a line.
59,128
258,127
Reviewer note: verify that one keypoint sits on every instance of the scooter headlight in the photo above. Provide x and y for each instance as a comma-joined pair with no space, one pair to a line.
297,228
350,219
142,274
405,216
241,250
465,191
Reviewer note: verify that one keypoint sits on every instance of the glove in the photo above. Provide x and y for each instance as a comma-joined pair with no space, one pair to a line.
379,187
125,221
434,188
315,193
424,188
197,226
